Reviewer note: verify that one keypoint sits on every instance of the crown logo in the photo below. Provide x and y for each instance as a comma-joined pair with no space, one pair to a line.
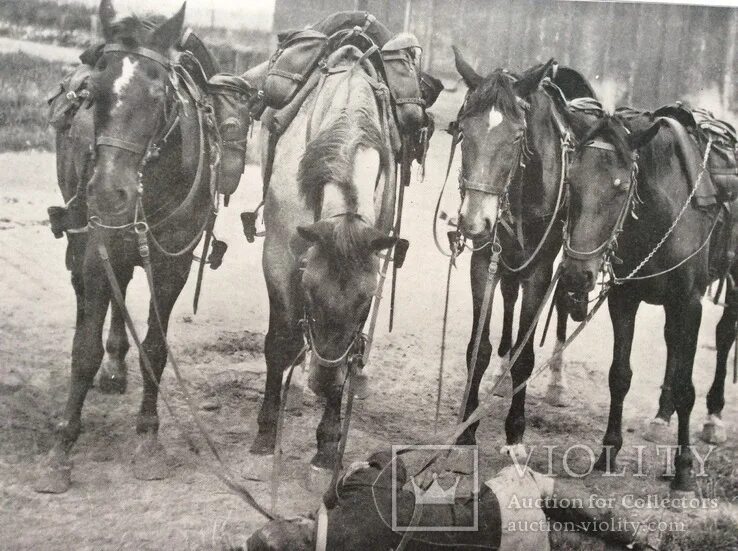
435,494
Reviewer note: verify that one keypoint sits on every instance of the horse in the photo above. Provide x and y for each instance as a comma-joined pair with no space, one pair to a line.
511,150
149,183
328,211
632,212
73,163
722,264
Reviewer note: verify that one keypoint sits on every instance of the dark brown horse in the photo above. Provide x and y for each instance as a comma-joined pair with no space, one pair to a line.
513,137
640,210
73,169
150,175
328,210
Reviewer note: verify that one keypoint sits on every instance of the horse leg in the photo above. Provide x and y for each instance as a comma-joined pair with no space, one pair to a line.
150,461
657,429
87,352
688,316
534,290
714,431
510,287
76,246
623,311
282,344
328,433
479,269
113,378
556,394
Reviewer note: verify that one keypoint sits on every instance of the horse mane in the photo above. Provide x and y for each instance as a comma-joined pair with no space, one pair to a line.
330,155
133,31
496,90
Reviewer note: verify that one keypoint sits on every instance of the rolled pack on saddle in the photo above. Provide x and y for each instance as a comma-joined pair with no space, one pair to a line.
230,97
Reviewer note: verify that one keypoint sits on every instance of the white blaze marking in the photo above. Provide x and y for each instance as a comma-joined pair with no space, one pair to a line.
495,118
126,75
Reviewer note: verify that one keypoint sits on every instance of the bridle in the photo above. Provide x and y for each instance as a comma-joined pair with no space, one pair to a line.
607,248
354,351
178,78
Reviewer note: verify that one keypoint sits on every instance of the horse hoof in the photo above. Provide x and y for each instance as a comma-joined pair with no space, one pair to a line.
713,431
318,479
263,444
557,396
110,380
151,462
658,431
515,451
55,478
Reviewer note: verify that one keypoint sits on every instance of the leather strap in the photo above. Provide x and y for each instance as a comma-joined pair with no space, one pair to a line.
141,52
138,149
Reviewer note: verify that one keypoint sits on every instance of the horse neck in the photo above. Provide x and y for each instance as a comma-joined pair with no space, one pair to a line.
168,184
543,170
350,92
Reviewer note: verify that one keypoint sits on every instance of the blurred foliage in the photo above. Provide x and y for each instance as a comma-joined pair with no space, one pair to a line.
25,84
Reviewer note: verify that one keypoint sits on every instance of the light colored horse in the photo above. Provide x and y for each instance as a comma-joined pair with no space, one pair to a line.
328,209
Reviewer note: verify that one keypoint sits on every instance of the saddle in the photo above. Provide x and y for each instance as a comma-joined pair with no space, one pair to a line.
702,126
396,60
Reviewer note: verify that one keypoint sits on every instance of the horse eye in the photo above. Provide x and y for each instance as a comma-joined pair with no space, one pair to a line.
152,73
101,64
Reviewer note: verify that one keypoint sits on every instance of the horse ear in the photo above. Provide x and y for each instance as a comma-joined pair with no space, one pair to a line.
106,12
467,72
636,140
316,233
167,34
532,81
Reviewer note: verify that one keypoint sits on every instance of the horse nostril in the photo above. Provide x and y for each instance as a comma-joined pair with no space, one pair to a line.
590,277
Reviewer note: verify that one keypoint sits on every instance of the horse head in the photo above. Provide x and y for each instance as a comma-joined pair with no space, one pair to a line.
493,124
339,280
602,189
131,95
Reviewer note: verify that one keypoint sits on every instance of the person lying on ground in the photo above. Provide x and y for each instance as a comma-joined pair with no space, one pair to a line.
512,511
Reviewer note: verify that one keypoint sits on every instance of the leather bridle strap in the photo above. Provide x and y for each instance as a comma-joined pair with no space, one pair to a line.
132,147
141,52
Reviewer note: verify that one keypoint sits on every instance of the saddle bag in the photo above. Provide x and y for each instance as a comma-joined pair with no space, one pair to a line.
231,97
67,98
401,56
723,161
297,55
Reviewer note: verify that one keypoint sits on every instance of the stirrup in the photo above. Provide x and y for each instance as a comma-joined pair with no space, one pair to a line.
248,220
401,248
217,251
59,220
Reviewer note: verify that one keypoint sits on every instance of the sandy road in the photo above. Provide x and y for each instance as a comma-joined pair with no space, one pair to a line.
221,352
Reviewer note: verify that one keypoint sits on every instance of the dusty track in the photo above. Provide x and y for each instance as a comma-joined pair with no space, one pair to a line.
220,350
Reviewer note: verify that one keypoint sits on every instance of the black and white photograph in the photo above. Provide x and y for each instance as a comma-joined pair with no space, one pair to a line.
369,275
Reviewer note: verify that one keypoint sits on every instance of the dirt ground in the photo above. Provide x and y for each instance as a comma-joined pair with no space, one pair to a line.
220,350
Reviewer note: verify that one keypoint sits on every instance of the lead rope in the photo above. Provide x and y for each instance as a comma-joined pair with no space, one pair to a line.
225,477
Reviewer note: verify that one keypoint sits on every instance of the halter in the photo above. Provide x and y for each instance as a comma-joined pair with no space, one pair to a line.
354,348
607,248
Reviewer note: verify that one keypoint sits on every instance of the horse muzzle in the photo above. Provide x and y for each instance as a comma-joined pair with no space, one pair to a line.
478,216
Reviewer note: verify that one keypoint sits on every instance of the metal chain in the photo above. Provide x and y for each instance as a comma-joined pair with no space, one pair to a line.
676,220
